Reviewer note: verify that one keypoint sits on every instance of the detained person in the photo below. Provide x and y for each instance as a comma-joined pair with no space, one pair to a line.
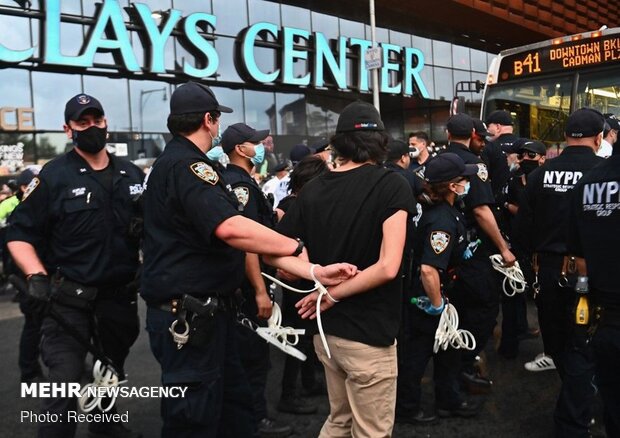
357,213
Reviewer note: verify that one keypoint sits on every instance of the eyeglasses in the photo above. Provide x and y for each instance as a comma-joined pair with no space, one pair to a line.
529,154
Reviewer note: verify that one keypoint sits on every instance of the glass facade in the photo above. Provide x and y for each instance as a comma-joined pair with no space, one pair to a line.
136,102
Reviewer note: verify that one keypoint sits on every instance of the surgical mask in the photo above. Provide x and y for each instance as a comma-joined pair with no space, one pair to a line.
215,153
528,165
466,187
216,141
90,140
259,155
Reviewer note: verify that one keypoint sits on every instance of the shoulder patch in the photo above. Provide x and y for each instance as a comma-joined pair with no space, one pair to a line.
31,187
483,173
439,241
205,172
242,194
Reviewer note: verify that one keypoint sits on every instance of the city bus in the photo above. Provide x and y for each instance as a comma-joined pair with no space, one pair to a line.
541,84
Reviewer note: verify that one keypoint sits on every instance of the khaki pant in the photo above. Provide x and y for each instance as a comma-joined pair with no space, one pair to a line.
361,382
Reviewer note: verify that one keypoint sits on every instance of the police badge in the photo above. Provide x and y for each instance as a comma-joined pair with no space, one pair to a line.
205,172
242,194
30,188
483,173
439,241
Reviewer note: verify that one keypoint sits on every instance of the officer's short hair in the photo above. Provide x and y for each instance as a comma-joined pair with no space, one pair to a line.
179,124
361,146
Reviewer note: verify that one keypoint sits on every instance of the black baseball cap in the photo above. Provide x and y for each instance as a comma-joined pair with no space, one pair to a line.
25,177
396,149
320,146
583,123
193,97
299,152
281,166
78,104
480,128
533,146
612,121
447,166
359,116
460,125
500,117
240,133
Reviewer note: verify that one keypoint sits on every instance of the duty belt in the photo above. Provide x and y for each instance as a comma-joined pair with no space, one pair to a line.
190,303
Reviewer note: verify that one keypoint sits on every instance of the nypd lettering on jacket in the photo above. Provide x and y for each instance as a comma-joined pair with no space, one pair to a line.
561,180
602,197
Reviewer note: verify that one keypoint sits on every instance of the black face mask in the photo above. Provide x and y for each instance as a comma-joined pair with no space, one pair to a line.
90,140
528,166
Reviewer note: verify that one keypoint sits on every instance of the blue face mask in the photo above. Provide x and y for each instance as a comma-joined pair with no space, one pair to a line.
216,141
465,191
215,153
259,155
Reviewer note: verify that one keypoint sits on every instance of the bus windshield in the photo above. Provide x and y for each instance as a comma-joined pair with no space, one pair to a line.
539,106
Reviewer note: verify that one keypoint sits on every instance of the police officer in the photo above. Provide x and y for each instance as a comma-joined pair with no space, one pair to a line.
192,225
499,154
439,242
245,150
542,226
593,235
76,228
476,289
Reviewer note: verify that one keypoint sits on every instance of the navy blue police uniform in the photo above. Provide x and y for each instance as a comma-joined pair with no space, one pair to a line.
593,235
82,224
476,291
439,241
542,222
185,200
254,350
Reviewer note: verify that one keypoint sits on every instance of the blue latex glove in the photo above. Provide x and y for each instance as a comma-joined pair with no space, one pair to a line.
432,310
471,249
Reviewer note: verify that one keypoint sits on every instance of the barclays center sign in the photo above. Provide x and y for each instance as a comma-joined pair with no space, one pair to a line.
111,27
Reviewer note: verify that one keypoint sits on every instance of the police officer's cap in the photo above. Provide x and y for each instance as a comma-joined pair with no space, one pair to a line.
612,121
78,104
460,125
240,133
500,117
481,128
281,166
396,149
359,116
533,146
583,123
446,167
25,177
320,146
298,153
193,97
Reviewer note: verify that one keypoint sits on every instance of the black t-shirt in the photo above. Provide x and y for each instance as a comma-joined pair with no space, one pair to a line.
185,200
286,203
594,229
340,215
541,223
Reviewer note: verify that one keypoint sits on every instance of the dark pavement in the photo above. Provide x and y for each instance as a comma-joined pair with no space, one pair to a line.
520,405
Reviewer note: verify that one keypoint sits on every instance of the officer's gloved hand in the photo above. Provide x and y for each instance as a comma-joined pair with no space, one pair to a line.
432,310
39,287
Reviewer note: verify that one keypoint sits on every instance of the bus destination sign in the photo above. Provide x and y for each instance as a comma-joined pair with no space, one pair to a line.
557,58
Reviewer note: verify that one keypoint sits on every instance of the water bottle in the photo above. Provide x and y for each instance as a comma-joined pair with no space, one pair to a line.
423,302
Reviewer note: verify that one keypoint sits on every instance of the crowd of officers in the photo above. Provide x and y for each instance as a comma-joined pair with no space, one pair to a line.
380,222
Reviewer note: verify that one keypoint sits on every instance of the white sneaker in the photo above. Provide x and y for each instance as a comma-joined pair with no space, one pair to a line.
540,363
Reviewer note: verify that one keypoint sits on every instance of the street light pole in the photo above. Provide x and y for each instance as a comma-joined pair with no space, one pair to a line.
146,93
375,71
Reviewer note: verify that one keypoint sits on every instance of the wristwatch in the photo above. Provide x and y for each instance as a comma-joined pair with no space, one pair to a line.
300,247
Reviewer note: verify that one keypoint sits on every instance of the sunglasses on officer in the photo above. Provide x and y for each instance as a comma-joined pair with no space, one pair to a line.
529,154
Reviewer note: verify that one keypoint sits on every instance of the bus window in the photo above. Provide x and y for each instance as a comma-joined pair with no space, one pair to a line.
539,106
600,91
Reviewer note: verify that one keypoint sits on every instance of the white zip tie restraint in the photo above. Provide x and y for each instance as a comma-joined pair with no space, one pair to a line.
513,276
277,335
448,333
322,291
102,376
